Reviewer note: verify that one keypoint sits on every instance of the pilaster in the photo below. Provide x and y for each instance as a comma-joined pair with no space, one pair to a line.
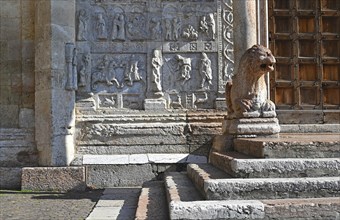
54,106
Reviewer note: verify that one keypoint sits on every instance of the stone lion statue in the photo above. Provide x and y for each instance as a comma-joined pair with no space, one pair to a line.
246,96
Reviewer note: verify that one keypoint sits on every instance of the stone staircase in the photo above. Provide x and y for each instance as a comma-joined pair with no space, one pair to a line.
272,178
240,185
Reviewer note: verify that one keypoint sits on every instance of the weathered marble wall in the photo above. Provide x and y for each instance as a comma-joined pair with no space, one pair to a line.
17,64
17,83
150,74
54,104
113,56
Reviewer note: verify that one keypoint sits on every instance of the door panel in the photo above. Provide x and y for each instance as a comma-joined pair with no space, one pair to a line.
304,36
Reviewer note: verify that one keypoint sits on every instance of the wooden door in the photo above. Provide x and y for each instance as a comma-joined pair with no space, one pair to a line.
304,36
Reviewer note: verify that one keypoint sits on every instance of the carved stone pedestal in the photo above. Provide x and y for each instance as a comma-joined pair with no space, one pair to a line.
251,127
155,104
244,127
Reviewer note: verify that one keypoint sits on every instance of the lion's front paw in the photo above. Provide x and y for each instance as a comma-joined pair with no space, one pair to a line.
268,106
246,105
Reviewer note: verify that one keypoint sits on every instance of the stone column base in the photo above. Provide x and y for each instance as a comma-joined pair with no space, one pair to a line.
251,127
220,104
155,104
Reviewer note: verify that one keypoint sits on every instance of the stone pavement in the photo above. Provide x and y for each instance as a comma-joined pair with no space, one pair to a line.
26,205
120,203
132,203
116,203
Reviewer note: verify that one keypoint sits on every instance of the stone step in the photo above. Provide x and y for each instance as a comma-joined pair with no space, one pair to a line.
185,202
134,149
311,208
325,145
242,166
152,202
262,188
180,188
103,171
181,207
203,172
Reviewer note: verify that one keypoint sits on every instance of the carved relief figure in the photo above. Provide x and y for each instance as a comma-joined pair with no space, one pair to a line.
168,30
83,69
74,69
176,25
248,92
212,25
205,71
157,63
136,26
71,59
175,100
156,29
184,65
111,78
101,27
82,25
131,73
106,73
118,27
190,33
69,48
107,102
204,25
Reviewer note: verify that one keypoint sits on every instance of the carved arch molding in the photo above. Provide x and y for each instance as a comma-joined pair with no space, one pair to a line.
127,52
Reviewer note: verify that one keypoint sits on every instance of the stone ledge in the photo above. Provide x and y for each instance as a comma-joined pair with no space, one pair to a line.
311,208
252,127
53,178
310,128
272,188
323,145
125,159
250,209
238,165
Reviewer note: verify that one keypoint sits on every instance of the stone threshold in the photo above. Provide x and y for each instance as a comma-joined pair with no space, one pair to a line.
126,159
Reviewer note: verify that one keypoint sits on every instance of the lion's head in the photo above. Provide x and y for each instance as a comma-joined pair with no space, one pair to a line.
259,58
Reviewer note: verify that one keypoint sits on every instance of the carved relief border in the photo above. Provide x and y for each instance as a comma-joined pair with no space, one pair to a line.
227,40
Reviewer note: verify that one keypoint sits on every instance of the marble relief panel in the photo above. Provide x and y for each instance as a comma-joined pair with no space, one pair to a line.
189,78
129,51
